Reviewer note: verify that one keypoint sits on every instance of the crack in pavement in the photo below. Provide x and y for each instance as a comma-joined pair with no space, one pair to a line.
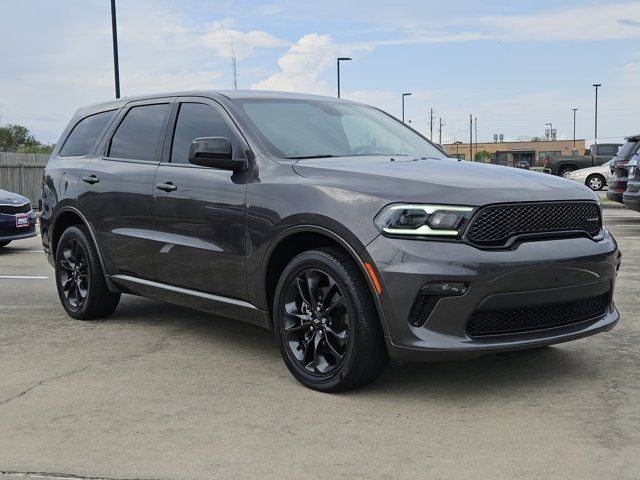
42,382
62,476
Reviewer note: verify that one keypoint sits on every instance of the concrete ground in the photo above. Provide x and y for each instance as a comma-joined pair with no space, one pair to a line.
162,392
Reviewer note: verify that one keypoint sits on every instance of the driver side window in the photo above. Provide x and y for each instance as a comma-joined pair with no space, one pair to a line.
196,120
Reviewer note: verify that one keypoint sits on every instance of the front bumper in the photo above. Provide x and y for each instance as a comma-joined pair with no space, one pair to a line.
531,274
9,232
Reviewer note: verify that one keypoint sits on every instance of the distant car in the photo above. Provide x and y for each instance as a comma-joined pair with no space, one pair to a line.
593,177
17,219
563,165
619,168
631,196
522,164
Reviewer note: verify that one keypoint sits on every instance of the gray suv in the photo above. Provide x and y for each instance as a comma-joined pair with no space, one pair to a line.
333,224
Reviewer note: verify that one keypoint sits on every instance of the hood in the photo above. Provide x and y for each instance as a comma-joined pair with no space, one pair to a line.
440,180
10,198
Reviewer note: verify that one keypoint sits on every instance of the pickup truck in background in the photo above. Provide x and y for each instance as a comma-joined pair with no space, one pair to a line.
563,165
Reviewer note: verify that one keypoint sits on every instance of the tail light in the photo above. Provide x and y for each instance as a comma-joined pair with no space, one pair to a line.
546,161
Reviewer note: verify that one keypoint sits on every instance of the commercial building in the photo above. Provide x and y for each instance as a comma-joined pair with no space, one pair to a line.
508,153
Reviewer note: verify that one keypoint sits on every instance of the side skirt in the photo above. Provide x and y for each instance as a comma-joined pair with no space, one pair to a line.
206,302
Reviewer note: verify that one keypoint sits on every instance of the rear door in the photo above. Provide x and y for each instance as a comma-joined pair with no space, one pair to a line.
120,187
199,212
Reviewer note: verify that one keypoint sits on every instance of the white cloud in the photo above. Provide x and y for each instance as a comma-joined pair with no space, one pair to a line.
302,65
219,38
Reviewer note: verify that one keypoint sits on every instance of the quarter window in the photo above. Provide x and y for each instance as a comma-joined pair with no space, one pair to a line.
85,134
138,135
196,120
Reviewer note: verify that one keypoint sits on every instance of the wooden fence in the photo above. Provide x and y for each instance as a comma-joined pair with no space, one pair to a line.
22,173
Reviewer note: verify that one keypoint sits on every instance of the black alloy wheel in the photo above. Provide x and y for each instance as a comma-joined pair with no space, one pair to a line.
326,323
74,273
316,321
81,283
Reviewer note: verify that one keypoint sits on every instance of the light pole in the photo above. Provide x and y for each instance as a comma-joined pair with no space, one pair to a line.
550,130
458,143
574,127
114,34
404,95
597,85
340,59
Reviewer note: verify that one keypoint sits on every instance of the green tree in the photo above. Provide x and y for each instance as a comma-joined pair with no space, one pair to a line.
18,138
482,156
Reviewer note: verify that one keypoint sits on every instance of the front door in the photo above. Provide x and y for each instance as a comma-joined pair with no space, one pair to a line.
119,191
199,212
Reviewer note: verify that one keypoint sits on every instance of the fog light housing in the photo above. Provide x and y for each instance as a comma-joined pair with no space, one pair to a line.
445,288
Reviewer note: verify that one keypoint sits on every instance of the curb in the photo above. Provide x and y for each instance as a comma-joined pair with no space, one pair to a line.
612,205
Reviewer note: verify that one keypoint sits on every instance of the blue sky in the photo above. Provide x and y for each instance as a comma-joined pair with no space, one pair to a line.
515,65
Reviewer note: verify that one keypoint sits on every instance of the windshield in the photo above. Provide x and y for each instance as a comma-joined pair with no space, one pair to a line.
313,128
626,150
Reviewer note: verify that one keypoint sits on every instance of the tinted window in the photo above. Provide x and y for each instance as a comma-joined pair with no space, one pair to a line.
607,149
196,120
138,135
85,134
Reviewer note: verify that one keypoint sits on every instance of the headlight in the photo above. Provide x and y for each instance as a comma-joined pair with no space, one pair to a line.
426,220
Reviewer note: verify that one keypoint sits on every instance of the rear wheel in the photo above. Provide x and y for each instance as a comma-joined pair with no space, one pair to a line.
79,277
595,182
326,324
566,171
5,243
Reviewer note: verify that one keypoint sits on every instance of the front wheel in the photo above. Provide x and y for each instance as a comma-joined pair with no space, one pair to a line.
325,322
595,182
80,280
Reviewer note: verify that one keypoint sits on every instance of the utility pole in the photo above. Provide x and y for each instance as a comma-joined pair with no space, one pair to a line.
574,127
597,85
440,134
471,136
476,130
338,60
431,125
114,35
233,67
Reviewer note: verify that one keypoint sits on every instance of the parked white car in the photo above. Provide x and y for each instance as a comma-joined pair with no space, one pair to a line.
595,178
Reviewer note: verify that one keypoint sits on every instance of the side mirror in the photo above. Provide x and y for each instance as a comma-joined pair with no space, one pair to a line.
215,152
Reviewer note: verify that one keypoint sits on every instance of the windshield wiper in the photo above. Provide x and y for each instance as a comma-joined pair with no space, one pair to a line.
311,156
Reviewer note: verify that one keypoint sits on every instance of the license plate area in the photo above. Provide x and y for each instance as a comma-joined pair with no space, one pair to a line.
22,221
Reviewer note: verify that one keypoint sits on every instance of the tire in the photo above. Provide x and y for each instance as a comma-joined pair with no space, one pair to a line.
595,182
5,243
347,351
566,171
80,281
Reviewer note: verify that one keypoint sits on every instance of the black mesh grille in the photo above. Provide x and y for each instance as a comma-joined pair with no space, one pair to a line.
13,230
483,324
13,209
495,225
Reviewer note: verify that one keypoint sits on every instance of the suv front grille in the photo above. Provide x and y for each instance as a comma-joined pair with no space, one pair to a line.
524,320
13,209
495,225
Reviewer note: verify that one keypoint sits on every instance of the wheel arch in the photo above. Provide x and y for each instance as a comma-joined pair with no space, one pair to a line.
67,217
301,238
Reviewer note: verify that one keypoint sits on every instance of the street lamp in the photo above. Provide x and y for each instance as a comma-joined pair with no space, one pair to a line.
404,95
597,85
343,59
574,128
458,143
114,35
550,130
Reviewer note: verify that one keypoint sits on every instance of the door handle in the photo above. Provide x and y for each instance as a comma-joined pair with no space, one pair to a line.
167,187
90,179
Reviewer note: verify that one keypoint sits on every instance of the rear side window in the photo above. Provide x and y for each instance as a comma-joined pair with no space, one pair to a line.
85,134
138,135
196,120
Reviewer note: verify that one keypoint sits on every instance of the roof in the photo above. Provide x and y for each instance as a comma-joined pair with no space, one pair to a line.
230,94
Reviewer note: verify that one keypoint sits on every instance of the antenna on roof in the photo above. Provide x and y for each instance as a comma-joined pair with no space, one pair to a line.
234,69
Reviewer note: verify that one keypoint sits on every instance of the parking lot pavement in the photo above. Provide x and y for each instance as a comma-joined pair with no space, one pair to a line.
159,391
